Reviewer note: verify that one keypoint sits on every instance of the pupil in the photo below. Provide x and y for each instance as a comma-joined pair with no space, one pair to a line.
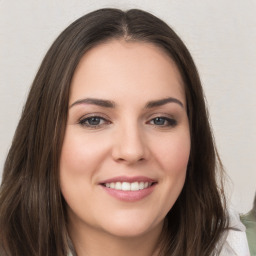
94,121
159,121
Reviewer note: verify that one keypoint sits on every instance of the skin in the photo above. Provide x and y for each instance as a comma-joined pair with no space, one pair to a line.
128,140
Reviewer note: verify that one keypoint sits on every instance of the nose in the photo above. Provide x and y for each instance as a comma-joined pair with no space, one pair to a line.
130,145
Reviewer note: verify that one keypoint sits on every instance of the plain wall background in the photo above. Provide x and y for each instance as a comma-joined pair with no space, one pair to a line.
221,35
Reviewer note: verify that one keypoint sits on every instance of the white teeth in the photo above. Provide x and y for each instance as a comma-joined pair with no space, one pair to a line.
118,186
135,186
127,186
142,185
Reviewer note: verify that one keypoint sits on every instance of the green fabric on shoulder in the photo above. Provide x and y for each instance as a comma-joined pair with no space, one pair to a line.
249,220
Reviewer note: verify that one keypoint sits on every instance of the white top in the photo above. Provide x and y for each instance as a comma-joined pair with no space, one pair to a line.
236,242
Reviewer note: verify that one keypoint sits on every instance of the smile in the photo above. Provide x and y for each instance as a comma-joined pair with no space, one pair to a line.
128,186
129,189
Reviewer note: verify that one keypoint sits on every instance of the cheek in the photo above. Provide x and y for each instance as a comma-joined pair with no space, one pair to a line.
80,154
80,159
173,154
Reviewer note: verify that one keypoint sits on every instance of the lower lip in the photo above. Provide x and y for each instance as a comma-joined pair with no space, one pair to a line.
130,196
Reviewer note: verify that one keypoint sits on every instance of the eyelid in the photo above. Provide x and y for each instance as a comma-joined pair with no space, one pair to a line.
94,114
161,114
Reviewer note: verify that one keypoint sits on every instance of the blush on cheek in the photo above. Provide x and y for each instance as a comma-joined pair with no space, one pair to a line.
182,157
181,152
175,157
74,155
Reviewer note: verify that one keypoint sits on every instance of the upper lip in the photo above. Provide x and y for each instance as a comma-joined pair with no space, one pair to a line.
128,179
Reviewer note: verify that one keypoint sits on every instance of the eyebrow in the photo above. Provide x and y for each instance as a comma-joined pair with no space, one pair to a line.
111,104
161,102
92,101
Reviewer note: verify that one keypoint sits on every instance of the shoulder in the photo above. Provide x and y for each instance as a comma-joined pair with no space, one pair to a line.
249,220
234,240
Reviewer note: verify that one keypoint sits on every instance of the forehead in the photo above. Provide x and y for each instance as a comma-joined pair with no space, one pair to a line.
117,65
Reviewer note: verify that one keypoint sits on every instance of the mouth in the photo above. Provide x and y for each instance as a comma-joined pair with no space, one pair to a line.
128,186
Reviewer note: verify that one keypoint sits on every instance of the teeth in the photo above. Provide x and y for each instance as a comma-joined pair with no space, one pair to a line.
118,185
135,186
127,186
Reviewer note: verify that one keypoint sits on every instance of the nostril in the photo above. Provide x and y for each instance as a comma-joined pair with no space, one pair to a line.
130,160
129,151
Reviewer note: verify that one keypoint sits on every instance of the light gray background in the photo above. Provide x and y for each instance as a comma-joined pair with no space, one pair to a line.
221,36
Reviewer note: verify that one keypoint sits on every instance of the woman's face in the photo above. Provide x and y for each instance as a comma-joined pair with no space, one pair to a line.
127,142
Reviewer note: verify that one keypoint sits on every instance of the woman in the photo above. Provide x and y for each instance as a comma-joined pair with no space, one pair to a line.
114,153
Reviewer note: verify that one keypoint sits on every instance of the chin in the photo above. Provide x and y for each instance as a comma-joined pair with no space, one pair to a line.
130,229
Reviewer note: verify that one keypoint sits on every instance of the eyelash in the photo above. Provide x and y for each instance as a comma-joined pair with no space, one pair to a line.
101,121
168,122
85,122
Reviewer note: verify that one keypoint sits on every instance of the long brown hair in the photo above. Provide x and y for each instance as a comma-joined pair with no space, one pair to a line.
32,210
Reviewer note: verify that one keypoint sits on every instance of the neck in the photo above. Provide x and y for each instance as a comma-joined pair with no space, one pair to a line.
91,242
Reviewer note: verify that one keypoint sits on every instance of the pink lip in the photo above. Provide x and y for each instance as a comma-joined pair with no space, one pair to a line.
129,196
128,179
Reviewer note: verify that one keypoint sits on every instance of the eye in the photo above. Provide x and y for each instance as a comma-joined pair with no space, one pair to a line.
93,121
163,121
